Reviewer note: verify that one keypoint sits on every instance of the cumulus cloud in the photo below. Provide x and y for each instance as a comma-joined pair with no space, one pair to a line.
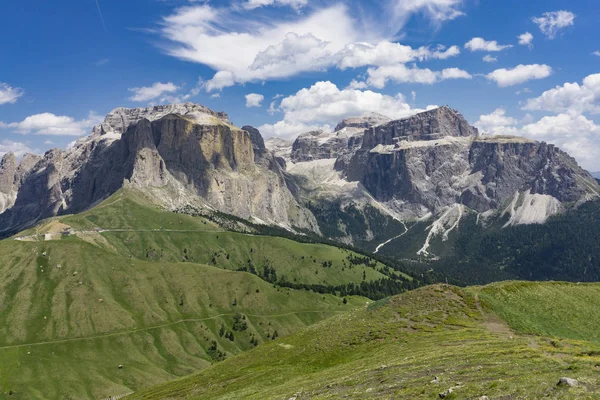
19,149
254,100
519,74
51,124
497,123
323,105
153,92
9,94
480,44
490,59
400,73
551,23
526,39
245,47
387,53
570,98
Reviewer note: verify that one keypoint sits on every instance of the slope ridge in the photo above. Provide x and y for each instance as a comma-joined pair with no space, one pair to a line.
415,345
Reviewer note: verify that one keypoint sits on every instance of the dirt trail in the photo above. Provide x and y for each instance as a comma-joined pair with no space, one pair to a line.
493,323
107,335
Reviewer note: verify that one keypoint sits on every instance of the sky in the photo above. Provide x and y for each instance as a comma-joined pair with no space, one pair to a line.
287,66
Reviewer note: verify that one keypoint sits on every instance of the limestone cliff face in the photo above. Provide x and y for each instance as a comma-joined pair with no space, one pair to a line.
426,163
12,175
195,158
344,141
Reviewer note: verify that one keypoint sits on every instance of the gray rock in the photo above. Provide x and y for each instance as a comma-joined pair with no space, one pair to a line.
197,159
567,382
342,143
426,163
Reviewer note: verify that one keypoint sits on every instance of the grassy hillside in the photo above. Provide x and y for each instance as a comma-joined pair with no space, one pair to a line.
416,345
156,292
154,235
553,309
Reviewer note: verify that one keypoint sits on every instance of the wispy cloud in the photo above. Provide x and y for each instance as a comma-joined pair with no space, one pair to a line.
101,16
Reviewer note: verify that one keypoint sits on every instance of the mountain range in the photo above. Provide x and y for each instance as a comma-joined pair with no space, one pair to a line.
363,184
169,241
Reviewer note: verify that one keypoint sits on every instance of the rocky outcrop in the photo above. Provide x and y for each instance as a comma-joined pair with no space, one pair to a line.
196,159
316,145
344,141
423,164
429,125
258,143
12,174
120,119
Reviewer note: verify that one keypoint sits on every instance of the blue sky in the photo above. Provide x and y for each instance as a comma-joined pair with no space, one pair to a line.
303,64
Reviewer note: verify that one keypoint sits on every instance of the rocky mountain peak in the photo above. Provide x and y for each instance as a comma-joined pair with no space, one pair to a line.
119,119
428,125
364,122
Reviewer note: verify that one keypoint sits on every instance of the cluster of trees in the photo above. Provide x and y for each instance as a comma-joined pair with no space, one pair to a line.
566,247
214,352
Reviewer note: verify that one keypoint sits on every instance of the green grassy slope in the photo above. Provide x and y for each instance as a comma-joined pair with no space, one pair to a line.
166,237
74,308
394,349
554,309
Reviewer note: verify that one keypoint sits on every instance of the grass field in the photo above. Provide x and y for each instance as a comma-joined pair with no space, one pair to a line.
74,308
417,345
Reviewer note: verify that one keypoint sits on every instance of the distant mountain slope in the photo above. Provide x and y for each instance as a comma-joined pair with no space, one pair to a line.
128,283
438,339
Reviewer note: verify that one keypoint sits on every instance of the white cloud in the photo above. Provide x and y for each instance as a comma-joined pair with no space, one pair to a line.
215,96
526,39
296,4
551,23
497,123
490,59
254,100
519,74
155,91
437,10
19,149
323,105
400,73
8,94
246,47
272,108
596,53
480,44
571,98
50,124
524,90
454,73
387,53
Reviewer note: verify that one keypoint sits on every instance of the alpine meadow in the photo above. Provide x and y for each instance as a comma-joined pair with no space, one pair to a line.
294,200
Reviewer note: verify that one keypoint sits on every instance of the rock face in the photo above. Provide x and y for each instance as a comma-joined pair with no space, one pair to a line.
12,175
346,138
193,157
426,163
